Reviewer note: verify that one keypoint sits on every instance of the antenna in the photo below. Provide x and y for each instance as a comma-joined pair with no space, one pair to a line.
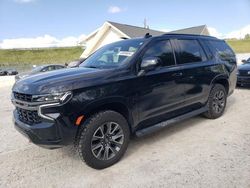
145,23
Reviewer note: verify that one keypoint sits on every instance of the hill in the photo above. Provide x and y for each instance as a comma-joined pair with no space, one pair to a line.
240,46
27,57
17,57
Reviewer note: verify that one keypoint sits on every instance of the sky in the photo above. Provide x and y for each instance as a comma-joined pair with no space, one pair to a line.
41,23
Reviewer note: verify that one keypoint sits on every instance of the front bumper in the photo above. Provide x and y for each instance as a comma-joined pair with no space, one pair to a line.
243,80
47,134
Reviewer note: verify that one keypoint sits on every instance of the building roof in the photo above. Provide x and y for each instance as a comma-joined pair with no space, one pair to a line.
120,31
135,31
197,30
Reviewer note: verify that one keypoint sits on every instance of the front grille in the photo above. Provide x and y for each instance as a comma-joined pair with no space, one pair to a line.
28,116
22,97
244,72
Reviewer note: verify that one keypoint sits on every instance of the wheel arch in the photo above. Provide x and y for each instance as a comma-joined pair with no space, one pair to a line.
221,79
116,104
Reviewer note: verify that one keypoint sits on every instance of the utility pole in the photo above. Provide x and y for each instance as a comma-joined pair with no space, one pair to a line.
145,23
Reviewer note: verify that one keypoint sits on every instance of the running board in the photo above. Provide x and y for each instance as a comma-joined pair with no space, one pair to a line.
166,123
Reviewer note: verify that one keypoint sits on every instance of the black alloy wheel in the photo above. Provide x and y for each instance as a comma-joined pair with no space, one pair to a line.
107,141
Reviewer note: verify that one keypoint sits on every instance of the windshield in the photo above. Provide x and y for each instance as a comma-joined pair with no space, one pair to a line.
113,55
37,69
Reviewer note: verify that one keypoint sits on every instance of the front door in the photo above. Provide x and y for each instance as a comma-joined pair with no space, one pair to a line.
160,91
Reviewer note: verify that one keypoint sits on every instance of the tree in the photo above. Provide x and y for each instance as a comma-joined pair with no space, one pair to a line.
247,36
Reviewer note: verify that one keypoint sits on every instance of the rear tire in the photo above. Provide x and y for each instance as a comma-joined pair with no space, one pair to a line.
217,101
103,139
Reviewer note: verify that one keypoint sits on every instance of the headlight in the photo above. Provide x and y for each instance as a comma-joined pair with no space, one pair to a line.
54,97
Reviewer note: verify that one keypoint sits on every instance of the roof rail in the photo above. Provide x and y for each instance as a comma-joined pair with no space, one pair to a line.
196,35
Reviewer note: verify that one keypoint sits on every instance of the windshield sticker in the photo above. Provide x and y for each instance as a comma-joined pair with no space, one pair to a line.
125,53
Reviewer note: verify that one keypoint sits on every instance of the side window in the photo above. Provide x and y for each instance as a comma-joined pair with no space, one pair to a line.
58,67
162,50
190,51
50,68
224,52
222,49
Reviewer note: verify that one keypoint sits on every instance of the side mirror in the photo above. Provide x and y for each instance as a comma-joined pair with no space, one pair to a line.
244,61
148,64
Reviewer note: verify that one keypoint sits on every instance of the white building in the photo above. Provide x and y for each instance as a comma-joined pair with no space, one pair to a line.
110,32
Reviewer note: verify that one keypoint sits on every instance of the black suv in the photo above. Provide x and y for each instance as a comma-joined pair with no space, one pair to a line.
134,86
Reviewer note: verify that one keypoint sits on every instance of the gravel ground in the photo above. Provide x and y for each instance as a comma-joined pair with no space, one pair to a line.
194,153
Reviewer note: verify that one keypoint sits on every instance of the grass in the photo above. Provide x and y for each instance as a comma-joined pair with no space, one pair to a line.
28,57
39,56
240,46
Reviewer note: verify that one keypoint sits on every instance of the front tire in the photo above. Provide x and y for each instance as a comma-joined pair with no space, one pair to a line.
103,139
217,101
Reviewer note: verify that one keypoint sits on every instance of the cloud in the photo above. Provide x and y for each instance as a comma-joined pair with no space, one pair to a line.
45,41
114,9
237,34
240,33
165,30
81,37
214,32
24,1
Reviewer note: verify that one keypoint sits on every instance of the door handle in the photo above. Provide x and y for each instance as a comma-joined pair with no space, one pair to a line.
177,74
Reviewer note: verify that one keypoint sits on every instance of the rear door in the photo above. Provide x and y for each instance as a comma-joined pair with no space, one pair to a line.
225,55
196,68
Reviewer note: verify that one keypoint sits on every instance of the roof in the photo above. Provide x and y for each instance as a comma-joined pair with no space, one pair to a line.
135,31
198,30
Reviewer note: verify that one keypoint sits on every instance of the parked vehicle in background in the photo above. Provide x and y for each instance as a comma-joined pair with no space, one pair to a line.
134,86
243,74
75,63
38,70
246,61
11,71
3,72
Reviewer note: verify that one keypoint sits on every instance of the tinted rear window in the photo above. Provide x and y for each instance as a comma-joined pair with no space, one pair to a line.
222,50
190,51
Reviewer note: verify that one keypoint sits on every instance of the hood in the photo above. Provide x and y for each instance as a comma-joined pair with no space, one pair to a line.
60,80
23,74
28,73
245,66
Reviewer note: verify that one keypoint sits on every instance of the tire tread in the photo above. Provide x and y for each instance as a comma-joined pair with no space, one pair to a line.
83,135
210,114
